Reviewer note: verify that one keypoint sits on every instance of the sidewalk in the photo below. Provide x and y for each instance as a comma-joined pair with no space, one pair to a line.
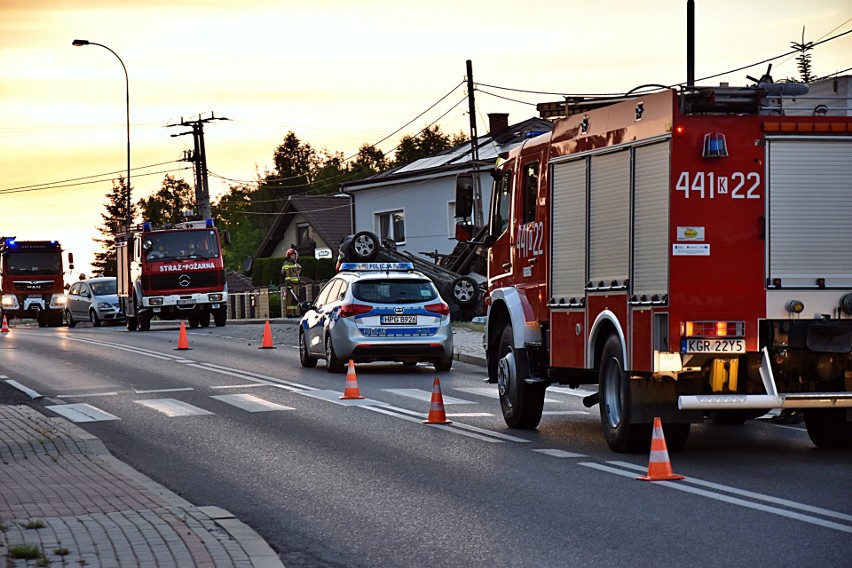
64,497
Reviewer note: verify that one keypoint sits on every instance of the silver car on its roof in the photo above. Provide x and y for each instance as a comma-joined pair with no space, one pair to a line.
377,312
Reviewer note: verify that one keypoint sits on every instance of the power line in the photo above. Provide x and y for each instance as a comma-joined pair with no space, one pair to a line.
10,191
65,181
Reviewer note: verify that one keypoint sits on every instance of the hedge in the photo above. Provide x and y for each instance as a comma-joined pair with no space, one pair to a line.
267,271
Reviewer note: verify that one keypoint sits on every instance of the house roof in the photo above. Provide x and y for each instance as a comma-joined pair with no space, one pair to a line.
238,283
459,158
330,217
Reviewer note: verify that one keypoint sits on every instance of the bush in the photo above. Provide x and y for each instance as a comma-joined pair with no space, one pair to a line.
267,271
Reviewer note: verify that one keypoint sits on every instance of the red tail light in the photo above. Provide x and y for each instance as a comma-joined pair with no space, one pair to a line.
440,308
347,310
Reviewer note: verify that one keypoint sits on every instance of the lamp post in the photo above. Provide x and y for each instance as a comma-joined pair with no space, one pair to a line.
80,42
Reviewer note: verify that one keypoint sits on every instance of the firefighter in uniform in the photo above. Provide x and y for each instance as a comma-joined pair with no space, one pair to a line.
291,272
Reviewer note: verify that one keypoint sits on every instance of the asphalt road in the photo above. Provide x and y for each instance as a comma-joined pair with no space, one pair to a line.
365,483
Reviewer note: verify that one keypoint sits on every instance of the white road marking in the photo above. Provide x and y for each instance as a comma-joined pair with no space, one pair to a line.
684,486
560,453
26,390
184,389
582,393
243,386
172,407
563,412
250,403
468,414
86,395
490,392
81,412
419,394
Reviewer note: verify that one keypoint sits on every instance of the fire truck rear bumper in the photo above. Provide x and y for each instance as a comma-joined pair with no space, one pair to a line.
772,398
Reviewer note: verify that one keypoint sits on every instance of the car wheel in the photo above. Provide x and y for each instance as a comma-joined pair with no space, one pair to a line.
444,365
71,321
522,403
463,291
364,246
332,363
93,317
304,355
614,388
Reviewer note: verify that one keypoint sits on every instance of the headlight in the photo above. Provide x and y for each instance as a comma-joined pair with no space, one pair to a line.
10,302
104,306
58,300
155,301
215,297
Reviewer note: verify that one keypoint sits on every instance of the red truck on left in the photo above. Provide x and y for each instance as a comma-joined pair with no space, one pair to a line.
31,280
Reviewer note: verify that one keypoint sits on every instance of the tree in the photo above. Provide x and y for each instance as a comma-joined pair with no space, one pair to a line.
803,60
115,223
168,204
427,142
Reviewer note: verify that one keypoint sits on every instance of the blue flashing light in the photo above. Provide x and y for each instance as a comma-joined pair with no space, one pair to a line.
12,243
209,223
146,226
376,266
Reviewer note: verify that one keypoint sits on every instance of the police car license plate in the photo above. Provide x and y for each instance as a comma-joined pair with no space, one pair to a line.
713,346
395,320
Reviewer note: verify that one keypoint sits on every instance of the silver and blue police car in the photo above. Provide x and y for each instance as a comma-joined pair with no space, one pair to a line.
377,312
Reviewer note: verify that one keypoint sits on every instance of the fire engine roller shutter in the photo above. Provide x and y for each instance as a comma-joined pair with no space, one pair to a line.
650,220
810,196
568,220
609,219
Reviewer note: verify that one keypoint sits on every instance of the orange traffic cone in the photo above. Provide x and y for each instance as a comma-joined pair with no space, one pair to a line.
436,407
351,391
267,338
183,342
659,466
5,328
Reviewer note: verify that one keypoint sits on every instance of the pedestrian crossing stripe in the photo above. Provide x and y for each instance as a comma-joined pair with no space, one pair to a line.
250,403
172,407
82,412
424,395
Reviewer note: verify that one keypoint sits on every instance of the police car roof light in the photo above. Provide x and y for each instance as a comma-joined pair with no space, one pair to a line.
376,266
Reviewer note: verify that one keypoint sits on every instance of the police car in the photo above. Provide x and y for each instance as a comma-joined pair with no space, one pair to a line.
377,312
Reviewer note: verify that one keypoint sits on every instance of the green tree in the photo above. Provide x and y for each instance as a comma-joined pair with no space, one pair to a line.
427,142
114,223
168,204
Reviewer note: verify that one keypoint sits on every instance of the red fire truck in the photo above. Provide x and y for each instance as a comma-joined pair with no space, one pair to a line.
32,280
688,253
172,272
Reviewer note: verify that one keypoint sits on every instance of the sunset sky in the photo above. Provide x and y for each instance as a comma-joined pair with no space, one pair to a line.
338,74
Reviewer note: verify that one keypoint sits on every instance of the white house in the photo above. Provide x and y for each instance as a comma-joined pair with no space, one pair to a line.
414,205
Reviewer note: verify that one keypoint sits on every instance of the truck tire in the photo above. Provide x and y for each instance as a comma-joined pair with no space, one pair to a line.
614,388
144,321
131,322
462,291
305,357
828,428
522,403
220,316
364,246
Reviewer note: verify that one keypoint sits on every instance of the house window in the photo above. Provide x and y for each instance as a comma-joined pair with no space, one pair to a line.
391,226
305,239
530,191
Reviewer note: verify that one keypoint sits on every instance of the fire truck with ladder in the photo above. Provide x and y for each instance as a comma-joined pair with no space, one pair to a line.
31,280
687,252
172,272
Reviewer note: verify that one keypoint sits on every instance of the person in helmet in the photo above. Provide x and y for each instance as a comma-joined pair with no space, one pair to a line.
291,274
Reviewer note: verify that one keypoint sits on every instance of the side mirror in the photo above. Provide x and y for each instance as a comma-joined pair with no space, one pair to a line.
226,237
305,306
464,195
147,245
463,231
70,261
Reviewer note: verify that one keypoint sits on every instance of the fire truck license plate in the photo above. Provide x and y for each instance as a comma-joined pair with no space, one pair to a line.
392,320
714,346
185,302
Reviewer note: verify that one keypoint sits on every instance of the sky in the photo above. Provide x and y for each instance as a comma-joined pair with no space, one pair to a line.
338,74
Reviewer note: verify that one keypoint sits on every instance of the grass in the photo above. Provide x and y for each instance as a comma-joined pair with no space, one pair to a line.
480,327
32,524
27,551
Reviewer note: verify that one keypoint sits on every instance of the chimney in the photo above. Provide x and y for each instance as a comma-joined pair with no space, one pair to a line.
498,122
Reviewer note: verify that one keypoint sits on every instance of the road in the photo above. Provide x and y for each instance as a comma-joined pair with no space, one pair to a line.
331,482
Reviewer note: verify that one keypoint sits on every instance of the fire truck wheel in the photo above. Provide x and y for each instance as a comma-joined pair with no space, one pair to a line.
144,321
614,388
131,323
828,428
194,321
220,316
204,320
70,319
93,317
332,363
521,402
304,358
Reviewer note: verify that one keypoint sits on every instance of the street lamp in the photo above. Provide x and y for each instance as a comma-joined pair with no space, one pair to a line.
80,42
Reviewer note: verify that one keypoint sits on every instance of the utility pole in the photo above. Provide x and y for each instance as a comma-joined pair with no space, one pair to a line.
199,159
474,149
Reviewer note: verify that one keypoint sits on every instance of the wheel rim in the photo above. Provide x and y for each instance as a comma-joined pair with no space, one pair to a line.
463,291
505,376
303,348
363,245
612,392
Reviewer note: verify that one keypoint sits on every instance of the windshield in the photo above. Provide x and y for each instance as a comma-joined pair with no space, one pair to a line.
394,291
105,288
178,245
22,263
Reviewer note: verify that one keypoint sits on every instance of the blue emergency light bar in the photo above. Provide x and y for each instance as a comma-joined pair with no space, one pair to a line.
376,266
